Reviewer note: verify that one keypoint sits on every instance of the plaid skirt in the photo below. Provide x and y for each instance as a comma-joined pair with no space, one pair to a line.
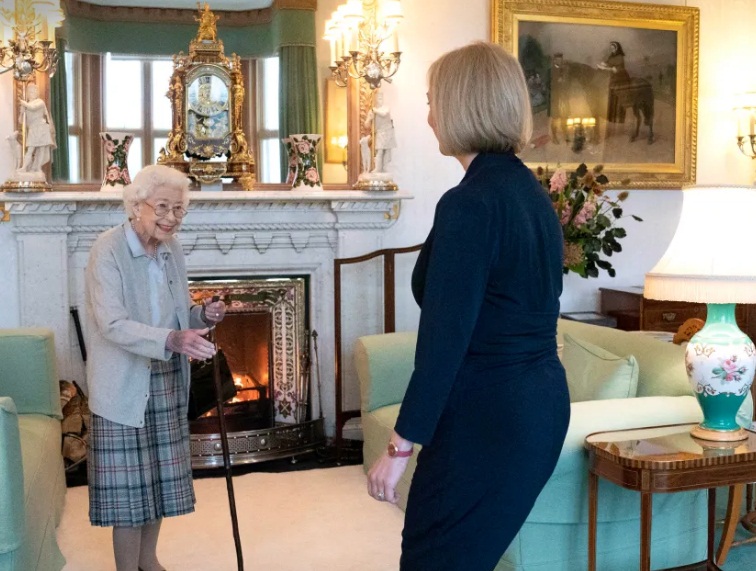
139,475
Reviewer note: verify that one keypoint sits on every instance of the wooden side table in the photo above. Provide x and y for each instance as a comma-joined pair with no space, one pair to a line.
665,459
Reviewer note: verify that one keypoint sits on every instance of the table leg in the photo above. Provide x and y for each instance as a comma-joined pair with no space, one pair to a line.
712,493
731,522
592,517
645,532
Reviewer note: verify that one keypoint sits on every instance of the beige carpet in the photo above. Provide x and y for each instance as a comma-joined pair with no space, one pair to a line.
314,520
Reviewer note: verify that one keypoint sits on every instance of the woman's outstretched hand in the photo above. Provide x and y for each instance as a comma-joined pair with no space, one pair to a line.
213,312
190,342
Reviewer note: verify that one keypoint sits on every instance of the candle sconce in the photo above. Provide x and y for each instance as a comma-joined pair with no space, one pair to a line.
357,32
579,131
745,110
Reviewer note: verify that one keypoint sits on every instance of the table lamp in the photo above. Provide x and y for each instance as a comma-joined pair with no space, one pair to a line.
711,260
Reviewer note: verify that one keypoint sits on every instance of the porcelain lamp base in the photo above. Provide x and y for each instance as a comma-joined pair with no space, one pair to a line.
720,361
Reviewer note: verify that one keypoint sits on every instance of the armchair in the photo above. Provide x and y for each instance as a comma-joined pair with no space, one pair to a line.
32,479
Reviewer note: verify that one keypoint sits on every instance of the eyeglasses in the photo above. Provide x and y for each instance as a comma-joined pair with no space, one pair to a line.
162,210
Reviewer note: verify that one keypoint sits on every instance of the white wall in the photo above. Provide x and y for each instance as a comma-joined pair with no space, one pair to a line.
432,28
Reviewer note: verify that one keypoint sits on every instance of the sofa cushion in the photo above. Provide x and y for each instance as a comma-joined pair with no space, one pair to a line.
661,366
594,373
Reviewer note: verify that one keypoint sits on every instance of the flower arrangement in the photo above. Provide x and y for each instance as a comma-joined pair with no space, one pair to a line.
588,218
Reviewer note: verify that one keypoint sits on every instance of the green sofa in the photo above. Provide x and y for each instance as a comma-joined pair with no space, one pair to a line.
555,535
32,478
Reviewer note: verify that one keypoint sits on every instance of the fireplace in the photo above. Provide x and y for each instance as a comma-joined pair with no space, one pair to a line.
264,338
228,233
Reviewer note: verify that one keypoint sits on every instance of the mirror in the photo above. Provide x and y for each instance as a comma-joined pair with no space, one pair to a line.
127,92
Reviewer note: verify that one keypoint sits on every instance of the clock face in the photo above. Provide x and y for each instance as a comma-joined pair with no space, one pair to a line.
208,115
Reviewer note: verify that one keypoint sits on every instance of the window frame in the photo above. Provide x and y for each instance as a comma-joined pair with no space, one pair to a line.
89,76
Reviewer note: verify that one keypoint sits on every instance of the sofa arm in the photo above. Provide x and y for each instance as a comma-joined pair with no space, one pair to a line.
28,373
588,417
384,366
12,523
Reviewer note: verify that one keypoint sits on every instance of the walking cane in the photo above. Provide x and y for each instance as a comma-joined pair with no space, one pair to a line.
226,453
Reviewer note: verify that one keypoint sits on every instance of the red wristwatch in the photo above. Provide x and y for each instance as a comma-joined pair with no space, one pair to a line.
394,452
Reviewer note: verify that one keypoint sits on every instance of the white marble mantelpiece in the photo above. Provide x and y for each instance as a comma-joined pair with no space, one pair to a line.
227,233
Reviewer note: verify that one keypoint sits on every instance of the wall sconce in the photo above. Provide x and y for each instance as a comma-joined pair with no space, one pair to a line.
745,112
30,47
357,31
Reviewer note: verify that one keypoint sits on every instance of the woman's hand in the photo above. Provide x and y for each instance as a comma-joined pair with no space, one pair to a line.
213,312
190,342
385,473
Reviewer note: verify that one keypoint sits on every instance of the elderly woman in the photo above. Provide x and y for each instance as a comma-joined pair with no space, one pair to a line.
488,398
141,328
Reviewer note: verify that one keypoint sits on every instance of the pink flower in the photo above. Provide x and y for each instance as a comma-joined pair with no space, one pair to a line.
125,176
311,174
113,174
587,212
558,180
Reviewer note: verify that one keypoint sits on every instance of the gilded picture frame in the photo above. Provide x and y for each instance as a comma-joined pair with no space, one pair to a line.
610,83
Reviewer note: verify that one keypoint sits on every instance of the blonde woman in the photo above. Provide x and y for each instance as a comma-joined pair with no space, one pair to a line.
488,398
140,330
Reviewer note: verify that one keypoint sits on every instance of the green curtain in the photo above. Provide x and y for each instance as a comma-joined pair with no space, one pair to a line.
298,100
59,112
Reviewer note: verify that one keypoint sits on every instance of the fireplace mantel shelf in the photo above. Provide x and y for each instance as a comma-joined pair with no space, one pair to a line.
217,196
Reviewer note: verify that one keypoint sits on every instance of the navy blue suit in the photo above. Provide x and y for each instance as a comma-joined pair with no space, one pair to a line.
488,398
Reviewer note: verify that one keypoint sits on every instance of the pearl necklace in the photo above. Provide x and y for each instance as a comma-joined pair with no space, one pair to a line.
154,246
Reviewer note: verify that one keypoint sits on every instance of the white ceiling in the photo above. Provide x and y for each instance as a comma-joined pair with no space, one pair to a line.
188,4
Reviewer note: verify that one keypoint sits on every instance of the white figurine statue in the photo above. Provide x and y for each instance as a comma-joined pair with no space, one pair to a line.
365,153
40,132
380,116
16,151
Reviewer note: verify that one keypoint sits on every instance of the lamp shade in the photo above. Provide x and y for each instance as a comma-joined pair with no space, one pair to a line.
711,258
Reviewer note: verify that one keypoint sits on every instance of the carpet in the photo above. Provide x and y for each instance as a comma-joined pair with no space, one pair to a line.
314,520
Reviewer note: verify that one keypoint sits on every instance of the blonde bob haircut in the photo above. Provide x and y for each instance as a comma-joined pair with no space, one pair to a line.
148,180
479,100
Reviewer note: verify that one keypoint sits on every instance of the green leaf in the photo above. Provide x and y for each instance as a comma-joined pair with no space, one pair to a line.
601,179
619,233
617,212
611,272
603,264
582,170
638,218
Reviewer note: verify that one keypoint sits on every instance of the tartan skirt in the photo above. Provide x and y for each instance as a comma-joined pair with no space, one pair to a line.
139,475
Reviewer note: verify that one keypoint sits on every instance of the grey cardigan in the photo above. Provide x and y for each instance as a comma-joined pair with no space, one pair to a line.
120,340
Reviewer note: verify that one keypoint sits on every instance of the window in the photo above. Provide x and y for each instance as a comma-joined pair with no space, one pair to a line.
269,142
118,92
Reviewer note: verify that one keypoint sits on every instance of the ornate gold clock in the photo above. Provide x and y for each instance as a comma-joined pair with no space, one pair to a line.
207,97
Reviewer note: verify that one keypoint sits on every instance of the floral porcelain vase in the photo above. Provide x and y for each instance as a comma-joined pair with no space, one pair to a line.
720,360
116,146
291,171
307,176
